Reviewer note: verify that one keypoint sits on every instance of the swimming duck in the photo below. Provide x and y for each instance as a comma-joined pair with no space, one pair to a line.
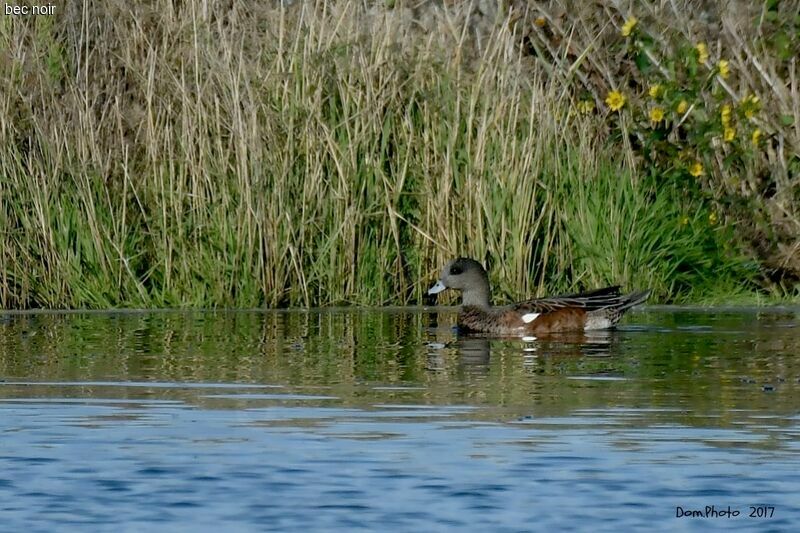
598,309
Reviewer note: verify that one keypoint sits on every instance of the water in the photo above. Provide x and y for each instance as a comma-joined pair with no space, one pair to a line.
387,420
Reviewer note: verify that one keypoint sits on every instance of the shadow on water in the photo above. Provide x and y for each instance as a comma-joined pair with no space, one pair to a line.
218,410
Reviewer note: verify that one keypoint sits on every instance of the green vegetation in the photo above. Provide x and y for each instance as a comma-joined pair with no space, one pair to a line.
239,155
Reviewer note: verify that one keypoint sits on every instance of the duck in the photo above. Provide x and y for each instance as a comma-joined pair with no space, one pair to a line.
593,310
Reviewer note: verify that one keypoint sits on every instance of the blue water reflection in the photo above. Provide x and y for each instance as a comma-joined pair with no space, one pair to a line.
443,433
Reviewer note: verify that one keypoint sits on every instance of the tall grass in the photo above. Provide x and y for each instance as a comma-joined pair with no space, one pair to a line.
237,154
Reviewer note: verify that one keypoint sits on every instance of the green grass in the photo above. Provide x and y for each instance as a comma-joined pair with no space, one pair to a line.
290,157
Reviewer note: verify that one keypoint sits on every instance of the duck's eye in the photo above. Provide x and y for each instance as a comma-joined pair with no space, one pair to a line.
455,270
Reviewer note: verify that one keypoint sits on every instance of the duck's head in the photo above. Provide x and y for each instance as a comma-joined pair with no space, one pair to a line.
467,276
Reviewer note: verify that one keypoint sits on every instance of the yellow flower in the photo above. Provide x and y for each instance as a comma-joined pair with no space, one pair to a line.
752,99
655,91
627,28
702,53
751,104
724,68
656,114
684,220
712,218
540,21
696,169
729,134
615,100
756,137
585,107
725,115
682,107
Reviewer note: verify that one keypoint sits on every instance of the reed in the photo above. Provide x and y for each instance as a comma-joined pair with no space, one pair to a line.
232,154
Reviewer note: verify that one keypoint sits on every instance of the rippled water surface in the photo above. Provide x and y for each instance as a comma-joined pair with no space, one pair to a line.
388,420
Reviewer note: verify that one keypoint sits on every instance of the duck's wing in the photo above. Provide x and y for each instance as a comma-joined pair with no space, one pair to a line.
608,297
605,291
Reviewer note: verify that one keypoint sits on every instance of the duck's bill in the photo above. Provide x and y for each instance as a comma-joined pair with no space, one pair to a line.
436,289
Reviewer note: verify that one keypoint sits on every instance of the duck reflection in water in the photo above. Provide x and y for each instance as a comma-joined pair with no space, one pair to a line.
474,350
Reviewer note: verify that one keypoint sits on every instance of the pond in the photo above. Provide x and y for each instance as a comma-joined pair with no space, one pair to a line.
386,419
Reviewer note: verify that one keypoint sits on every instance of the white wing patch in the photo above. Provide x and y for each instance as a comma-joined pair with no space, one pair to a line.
529,317
596,322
